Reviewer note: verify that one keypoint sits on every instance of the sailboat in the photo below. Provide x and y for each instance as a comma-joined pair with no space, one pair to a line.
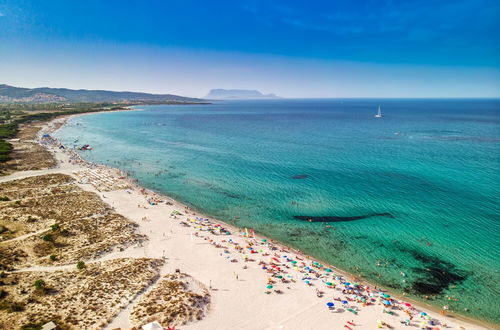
379,113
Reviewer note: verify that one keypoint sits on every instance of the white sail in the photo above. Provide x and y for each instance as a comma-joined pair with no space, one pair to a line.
379,113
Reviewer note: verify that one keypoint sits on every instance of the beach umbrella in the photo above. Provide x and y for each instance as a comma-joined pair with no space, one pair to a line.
352,311
329,283
407,304
294,262
386,296
264,240
423,313
328,270
347,283
345,302
330,304
279,276
269,286
386,302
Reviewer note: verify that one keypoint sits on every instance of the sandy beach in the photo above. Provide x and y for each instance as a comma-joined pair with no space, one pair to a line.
244,280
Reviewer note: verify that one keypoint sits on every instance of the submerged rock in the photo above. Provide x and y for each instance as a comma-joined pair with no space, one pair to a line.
340,219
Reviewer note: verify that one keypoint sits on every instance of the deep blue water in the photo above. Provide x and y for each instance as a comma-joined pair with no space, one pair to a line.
430,167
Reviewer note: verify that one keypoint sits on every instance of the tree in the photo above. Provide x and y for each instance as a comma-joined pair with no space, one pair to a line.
80,265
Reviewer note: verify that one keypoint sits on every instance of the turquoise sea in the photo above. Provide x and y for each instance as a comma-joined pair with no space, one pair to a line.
412,198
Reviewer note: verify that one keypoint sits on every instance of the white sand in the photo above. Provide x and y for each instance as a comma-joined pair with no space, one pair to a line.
235,303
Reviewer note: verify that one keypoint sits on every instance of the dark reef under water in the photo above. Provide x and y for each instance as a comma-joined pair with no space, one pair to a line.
436,275
340,219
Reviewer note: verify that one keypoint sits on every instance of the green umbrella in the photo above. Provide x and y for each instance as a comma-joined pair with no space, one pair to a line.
293,262
264,240
328,270
386,295
279,276
329,283
269,286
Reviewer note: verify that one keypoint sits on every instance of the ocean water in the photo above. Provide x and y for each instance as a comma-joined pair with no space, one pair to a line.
413,196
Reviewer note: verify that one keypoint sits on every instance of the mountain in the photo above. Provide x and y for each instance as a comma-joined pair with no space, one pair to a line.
220,93
10,94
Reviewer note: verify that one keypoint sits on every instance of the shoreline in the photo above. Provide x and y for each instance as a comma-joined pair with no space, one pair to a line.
55,124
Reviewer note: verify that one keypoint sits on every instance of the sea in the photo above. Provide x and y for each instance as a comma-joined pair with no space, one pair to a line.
409,201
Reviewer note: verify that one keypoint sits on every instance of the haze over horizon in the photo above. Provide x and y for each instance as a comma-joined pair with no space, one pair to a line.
292,49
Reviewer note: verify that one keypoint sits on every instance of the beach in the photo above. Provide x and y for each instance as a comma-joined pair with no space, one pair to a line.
251,282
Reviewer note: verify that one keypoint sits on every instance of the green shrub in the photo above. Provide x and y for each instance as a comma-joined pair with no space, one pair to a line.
31,219
53,257
4,198
48,238
80,265
40,285
55,227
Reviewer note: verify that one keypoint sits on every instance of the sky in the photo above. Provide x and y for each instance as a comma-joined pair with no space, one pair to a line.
363,48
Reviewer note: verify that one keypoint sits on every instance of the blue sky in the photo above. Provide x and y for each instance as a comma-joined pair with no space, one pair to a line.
292,48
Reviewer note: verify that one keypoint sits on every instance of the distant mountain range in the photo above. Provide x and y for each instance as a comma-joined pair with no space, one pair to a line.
220,93
11,94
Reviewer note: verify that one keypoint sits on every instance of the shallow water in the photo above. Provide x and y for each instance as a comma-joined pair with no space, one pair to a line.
414,192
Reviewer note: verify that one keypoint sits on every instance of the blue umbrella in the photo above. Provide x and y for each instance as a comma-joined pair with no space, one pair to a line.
344,302
347,283
386,302
329,304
